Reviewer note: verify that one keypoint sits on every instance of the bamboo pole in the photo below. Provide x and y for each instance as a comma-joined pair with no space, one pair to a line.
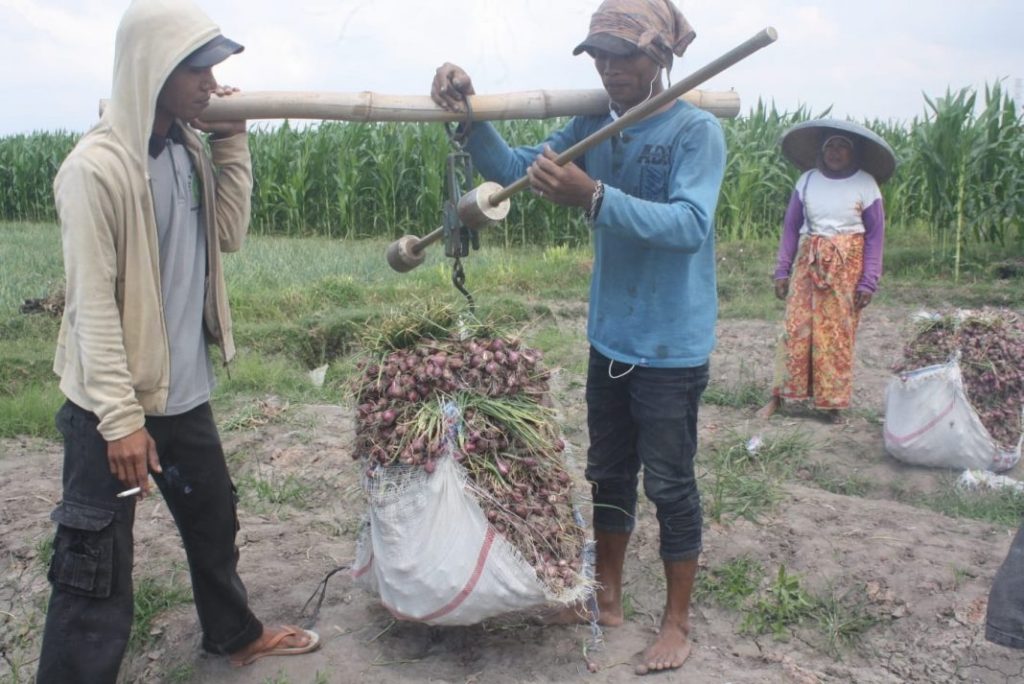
370,106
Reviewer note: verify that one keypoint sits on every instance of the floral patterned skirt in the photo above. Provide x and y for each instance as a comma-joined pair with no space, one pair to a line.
814,358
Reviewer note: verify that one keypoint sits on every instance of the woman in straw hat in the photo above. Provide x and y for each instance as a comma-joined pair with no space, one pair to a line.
829,260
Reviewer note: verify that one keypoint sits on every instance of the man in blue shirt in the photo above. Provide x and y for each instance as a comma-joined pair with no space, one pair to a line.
650,194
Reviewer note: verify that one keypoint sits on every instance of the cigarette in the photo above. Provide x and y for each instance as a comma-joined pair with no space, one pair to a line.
129,492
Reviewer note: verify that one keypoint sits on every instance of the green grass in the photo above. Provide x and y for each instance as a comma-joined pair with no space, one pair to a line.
629,610
843,620
44,552
740,482
31,265
783,605
847,484
276,278
1000,506
745,392
262,492
153,597
297,304
180,674
31,412
253,414
562,347
745,285
780,605
730,584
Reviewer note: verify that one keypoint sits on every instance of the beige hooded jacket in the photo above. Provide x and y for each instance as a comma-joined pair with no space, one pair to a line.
112,350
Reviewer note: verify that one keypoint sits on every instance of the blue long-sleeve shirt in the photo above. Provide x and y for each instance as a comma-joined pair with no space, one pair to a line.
653,298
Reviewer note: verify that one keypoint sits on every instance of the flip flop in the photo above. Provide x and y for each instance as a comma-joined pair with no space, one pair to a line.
274,648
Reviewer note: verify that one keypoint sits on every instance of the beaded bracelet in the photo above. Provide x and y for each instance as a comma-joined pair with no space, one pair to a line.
595,201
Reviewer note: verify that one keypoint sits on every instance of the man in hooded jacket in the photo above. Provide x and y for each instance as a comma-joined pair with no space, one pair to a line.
145,214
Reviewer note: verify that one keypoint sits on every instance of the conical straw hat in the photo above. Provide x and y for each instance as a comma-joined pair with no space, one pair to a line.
802,143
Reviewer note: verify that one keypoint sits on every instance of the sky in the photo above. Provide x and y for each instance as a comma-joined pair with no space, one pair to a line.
870,59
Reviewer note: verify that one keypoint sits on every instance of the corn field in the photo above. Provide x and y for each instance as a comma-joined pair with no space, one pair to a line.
28,164
961,176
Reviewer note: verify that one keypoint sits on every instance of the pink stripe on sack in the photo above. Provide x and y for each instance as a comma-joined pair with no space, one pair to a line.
926,428
481,561
365,569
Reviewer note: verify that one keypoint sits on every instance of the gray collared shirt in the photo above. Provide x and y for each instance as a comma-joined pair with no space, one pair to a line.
182,235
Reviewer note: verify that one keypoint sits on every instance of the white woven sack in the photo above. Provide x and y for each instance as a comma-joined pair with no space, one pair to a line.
929,421
433,558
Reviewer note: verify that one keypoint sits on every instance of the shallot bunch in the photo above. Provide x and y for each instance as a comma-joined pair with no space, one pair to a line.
505,437
394,389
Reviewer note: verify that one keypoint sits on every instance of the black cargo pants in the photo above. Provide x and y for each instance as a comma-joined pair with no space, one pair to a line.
90,614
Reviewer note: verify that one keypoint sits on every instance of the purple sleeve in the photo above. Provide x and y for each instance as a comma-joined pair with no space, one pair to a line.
874,236
791,225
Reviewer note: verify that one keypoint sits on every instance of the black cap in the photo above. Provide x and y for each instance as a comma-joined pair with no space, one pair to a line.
606,42
213,52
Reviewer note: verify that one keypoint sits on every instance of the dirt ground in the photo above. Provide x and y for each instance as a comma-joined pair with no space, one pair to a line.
925,575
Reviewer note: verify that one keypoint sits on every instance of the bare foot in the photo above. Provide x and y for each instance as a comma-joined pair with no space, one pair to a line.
668,652
769,409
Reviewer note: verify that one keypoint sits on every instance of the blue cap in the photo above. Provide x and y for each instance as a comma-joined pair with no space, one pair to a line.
213,52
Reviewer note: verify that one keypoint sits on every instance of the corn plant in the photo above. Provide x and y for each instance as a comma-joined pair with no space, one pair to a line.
758,181
28,164
965,170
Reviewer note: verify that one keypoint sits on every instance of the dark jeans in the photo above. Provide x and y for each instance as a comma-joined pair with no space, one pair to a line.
1004,624
647,418
91,606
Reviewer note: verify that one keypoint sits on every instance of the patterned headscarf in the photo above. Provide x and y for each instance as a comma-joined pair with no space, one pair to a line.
656,27
828,136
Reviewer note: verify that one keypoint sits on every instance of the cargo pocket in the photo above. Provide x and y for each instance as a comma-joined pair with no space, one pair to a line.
83,550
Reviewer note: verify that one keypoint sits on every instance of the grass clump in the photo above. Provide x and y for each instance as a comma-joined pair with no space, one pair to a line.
783,605
746,392
154,596
270,491
31,412
845,484
1001,506
743,476
732,583
843,621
